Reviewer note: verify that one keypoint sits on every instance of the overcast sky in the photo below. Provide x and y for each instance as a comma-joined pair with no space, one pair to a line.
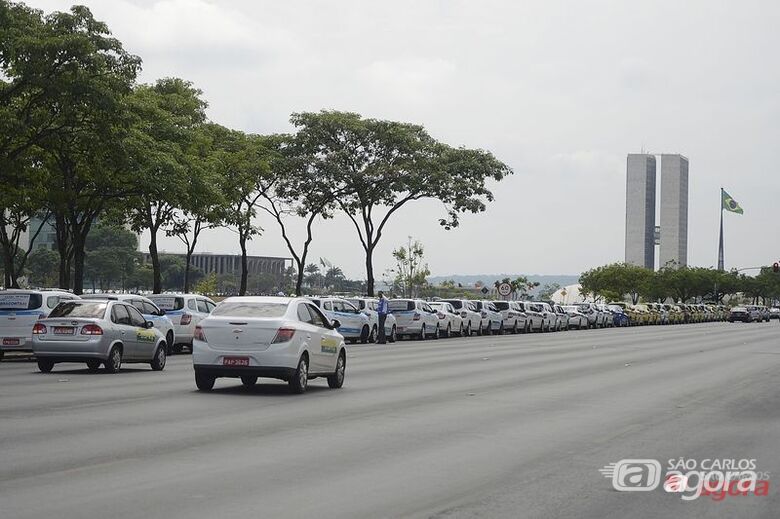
561,91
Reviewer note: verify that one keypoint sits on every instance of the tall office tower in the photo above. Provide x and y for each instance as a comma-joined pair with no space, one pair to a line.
674,210
640,210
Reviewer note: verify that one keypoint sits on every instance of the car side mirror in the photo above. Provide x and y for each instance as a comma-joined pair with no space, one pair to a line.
335,323
149,324
162,312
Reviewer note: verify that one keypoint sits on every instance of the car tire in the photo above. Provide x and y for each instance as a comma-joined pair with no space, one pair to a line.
393,335
300,379
480,330
336,380
45,365
437,332
93,365
373,335
421,336
468,330
364,334
2,353
114,361
500,330
204,382
249,380
460,332
169,341
448,332
160,357
515,329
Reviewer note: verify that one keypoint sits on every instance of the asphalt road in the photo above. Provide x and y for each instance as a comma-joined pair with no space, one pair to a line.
511,426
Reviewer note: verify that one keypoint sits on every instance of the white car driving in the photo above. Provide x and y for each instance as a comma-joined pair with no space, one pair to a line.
273,337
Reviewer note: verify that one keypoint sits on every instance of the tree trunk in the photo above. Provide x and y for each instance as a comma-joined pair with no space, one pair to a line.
155,257
244,266
78,264
370,271
299,277
187,273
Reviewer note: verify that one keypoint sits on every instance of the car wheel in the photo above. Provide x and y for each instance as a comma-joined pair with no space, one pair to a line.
169,341
468,330
93,365
515,329
437,332
448,332
500,330
204,382
372,337
45,365
480,330
393,336
114,361
364,333
421,337
300,378
460,332
336,380
249,380
160,356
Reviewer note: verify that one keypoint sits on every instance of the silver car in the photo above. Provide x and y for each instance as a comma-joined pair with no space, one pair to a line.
97,332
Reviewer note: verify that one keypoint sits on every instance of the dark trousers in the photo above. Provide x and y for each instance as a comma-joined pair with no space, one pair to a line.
381,338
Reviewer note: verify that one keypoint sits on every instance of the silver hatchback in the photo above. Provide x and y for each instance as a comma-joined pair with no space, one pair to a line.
97,332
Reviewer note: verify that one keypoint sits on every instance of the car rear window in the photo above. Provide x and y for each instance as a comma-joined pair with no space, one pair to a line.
91,310
400,306
242,309
15,301
456,304
168,303
502,305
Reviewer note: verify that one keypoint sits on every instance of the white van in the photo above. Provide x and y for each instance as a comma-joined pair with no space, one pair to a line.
19,310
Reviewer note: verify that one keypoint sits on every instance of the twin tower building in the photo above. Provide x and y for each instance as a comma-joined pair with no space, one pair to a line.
642,232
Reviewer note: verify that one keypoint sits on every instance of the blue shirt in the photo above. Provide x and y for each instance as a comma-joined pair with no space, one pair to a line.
382,307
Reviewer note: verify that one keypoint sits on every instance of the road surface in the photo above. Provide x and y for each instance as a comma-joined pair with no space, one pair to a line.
509,426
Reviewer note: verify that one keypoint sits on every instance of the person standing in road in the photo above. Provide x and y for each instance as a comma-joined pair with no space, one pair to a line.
381,311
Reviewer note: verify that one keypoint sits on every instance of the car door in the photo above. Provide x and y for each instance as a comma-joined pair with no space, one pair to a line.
329,340
120,319
145,338
312,338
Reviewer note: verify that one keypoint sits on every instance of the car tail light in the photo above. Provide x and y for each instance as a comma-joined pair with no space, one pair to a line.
91,329
186,319
199,335
283,335
441,315
416,317
39,329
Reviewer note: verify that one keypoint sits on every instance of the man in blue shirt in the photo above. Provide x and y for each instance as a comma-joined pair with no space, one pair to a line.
381,311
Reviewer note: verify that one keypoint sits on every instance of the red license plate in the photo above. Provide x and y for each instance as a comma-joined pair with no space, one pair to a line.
235,361
63,330
10,342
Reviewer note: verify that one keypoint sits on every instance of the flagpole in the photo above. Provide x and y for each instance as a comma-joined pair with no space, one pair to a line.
720,241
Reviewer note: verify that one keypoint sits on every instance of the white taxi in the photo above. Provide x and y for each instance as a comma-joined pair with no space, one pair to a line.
354,325
185,312
368,306
415,318
19,311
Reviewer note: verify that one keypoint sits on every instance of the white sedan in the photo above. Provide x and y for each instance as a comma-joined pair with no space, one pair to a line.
415,318
451,321
274,337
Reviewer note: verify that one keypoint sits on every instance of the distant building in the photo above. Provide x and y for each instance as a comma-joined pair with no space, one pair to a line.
221,264
640,210
674,210
642,233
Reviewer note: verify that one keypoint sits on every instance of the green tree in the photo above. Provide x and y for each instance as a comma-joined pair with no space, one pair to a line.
164,118
615,281
42,267
378,167
207,285
548,290
410,273
112,257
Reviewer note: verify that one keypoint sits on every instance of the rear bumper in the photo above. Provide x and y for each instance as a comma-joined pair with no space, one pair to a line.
277,372
67,350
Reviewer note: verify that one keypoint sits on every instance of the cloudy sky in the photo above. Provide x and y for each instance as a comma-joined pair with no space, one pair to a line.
561,91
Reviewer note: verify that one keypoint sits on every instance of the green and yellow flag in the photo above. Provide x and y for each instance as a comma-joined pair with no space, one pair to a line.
729,204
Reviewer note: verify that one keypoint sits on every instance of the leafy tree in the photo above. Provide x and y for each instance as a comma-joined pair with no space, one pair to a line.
112,256
207,285
548,290
42,267
614,281
86,156
378,167
410,272
165,116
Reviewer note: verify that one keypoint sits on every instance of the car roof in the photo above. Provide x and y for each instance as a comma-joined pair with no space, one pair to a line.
179,294
265,299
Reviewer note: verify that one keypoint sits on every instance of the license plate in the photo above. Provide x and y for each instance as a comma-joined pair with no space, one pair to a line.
10,342
235,361
63,330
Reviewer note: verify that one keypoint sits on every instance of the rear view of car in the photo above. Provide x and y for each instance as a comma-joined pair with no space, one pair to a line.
185,312
20,310
272,337
740,313
414,318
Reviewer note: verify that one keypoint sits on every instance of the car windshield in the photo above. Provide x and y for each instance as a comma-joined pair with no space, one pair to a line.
89,310
400,306
358,303
502,305
168,303
246,309
456,304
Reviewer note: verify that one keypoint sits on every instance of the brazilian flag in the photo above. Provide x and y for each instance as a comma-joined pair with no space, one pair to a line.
729,204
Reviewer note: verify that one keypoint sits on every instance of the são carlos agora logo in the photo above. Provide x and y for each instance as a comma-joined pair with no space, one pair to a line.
634,475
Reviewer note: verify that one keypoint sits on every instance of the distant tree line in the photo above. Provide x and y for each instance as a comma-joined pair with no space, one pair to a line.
681,284
81,140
